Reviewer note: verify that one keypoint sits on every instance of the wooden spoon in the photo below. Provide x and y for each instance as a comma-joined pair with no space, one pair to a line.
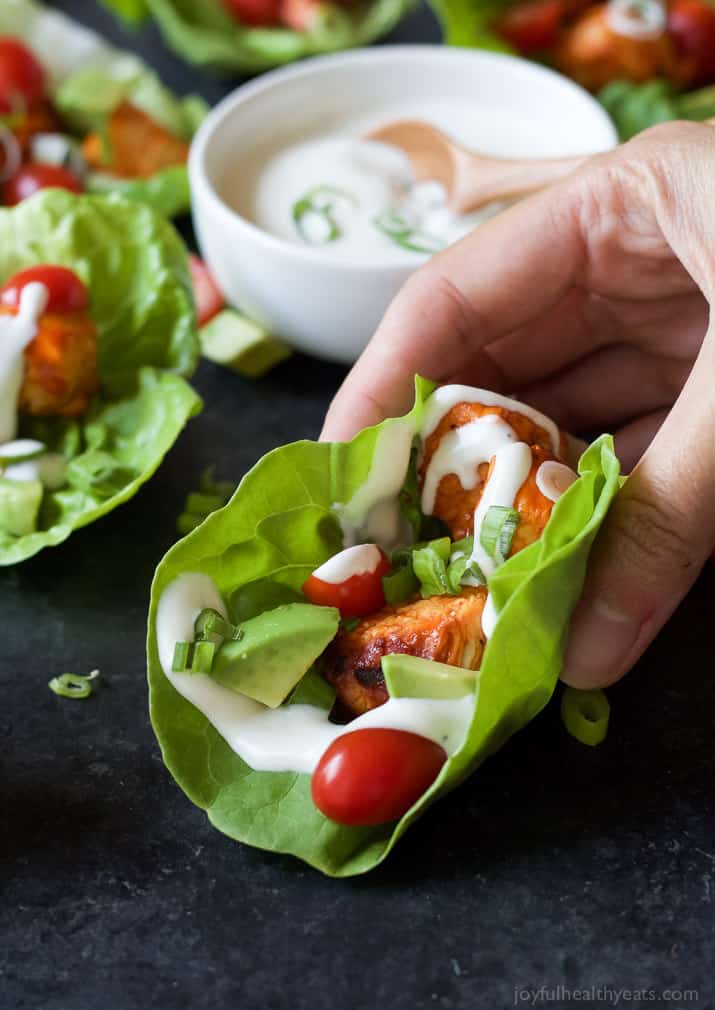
471,179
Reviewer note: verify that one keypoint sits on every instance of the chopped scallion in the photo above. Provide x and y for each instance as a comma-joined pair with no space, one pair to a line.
182,657
400,584
497,531
585,715
210,622
74,685
203,657
399,230
313,214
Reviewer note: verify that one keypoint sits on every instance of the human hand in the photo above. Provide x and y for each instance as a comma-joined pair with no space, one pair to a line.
590,301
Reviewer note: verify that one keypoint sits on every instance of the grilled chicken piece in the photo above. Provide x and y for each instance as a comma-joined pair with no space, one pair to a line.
444,628
136,146
455,506
60,365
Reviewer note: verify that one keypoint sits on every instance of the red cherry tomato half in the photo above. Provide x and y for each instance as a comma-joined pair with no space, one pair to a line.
532,27
691,25
357,596
254,12
22,79
35,176
371,776
67,293
208,298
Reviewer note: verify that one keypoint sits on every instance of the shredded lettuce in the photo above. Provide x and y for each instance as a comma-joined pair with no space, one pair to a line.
134,265
278,527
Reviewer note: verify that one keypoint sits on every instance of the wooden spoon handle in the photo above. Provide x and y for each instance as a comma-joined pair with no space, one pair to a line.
475,187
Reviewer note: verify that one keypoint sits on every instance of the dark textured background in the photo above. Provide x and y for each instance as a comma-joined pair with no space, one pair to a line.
555,865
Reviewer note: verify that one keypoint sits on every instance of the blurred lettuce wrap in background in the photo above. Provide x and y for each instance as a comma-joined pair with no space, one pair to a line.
134,265
279,526
205,34
90,81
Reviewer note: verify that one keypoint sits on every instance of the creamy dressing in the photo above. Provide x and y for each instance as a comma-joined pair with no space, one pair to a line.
50,469
292,737
461,452
446,397
346,564
273,177
16,332
373,512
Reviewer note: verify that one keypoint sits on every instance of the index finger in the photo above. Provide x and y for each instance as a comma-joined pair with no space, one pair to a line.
503,275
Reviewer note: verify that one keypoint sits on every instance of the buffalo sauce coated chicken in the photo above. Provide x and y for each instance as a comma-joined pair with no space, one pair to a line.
60,374
447,628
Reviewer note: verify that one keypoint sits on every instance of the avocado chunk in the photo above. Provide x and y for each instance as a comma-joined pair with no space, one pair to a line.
19,504
233,340
412,677
275,650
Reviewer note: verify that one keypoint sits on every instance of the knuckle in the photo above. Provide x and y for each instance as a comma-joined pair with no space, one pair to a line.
651,538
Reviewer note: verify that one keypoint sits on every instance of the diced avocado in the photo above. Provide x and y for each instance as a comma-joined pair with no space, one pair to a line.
412,677
19,505
275,651
233,340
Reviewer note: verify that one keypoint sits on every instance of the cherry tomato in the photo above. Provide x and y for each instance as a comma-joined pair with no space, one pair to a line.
67,293
35,176
371,776
357,596
532,27
22,79
691,25
254,12
208,298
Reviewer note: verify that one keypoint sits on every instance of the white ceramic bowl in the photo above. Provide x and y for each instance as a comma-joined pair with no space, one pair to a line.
319,303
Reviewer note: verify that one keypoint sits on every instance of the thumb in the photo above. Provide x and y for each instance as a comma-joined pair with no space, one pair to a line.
658,533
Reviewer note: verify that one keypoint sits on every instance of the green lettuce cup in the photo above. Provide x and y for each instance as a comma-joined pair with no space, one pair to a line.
206,35
134,265
279,526
89,80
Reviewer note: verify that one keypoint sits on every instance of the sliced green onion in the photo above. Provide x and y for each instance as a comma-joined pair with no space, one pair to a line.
431,570
187,522
497,531
400,584
182,656
210,622
463,546
350,623
319,203
397,228
203,504
585,715
203,657
74,685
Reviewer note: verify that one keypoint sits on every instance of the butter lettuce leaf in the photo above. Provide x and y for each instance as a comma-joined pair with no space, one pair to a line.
204,34
89,79
134,265
279,526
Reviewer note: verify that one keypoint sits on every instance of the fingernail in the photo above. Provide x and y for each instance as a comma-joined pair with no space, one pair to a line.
599,643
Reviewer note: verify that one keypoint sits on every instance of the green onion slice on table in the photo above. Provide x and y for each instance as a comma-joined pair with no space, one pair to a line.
314,214
585,715
74,685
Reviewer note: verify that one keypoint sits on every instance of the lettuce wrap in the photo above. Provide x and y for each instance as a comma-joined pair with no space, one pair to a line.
205,34
278,527
134,265
88,81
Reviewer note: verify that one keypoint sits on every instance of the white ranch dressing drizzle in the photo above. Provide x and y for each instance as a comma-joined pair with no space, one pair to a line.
462,451
16,332
373,512
445,397
489,617
357,560
554,479
292,737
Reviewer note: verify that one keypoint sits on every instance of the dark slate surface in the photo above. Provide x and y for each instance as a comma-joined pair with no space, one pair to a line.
557,865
